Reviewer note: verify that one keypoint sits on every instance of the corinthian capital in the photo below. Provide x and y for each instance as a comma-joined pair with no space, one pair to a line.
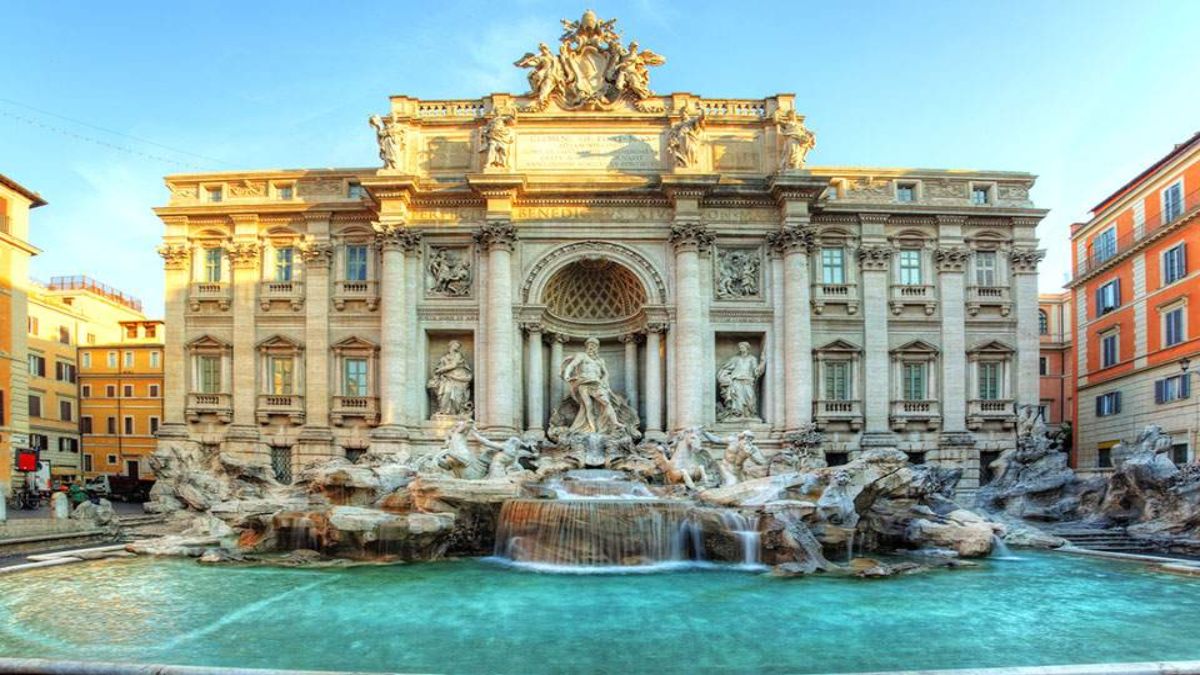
498,235
874,257
951,258
802,238
175,256
243,253
1025,260
315,253
690,236
395,237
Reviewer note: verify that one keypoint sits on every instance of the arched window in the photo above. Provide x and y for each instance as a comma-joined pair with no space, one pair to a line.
1043,322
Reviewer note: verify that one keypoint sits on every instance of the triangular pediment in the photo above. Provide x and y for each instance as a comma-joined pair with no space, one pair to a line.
916,347
992,347
840,346
207,342
279,342
354,343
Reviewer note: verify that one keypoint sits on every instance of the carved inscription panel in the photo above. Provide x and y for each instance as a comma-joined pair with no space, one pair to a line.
589,152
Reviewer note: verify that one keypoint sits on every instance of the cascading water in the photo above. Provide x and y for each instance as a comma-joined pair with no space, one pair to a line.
601,521
1000,550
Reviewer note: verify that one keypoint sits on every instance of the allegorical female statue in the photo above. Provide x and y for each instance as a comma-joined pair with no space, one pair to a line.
451,382
586,376
496,139
737,379
797,141
390,139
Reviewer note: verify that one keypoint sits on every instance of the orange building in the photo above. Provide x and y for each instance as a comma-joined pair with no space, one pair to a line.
1055,365
121,385
1137,311
15,251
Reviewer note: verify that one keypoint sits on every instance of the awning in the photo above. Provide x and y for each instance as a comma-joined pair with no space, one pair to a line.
64,470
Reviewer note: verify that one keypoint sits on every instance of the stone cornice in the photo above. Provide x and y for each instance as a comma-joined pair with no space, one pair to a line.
497,186
796,187
499,235
874,218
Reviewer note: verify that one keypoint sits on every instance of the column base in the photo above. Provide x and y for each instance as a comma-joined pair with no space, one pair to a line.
389,438
173,431
956,450
874,440
242,440
655,435
534,435
315,443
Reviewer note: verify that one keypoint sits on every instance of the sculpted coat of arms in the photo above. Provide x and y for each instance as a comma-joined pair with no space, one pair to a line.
592,70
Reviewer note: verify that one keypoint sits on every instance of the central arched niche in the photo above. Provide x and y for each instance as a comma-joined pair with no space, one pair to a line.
595,293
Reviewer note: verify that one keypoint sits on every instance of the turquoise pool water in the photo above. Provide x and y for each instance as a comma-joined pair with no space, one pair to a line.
474,616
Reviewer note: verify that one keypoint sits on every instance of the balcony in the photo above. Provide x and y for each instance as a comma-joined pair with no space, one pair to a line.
980,412
922,295
834,294
355,291
220,405
1154,227
291,292
347,407
209,291
848,413
906,413
289,405
988,296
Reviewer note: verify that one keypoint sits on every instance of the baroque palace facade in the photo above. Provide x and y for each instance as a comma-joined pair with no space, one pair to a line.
319,312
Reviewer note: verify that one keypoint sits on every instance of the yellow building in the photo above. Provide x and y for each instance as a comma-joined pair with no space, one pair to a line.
65,314
120,386
15,251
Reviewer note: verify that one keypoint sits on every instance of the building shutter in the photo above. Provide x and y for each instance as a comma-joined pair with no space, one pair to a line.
1116,402
1099,406
1185,385
1159,386
1117,294
1099,301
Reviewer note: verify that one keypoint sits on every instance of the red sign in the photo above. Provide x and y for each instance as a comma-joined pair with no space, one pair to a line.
27,460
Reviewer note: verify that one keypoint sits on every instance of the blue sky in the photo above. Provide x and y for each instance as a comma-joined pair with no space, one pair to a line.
1084,94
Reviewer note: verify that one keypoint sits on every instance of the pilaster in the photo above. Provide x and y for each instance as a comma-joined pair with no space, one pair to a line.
874,261
316,251
177,257
1024,264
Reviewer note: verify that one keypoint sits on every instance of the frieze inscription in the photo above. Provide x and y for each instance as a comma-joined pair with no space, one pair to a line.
584,152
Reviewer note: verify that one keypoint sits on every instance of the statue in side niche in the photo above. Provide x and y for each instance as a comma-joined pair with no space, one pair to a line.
451,382
738,380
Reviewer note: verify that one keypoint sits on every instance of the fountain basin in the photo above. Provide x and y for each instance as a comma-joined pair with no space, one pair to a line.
470,617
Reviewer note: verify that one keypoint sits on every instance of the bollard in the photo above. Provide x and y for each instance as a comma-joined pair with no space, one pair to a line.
60,505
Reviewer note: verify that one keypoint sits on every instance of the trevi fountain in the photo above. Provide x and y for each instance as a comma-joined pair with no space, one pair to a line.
679,494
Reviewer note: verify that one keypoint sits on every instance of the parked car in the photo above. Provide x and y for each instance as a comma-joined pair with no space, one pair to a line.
120,488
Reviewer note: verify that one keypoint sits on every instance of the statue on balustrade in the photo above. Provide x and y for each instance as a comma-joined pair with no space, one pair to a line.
496,140
684,137
451,382
738,380
390,138
797,141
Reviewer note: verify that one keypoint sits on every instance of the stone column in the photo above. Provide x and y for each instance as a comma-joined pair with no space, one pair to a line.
631,374
1024,264
951,262
244,257
795,241
392,239
317,253
497,239
875,263
176,260
535,380
689,239
556,358
414,386
775,390
654,385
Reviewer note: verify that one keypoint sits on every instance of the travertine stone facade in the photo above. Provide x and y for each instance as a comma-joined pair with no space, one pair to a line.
890,307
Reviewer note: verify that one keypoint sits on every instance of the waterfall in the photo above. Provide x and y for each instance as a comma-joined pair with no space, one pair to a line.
1000,550
592,533
745,528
